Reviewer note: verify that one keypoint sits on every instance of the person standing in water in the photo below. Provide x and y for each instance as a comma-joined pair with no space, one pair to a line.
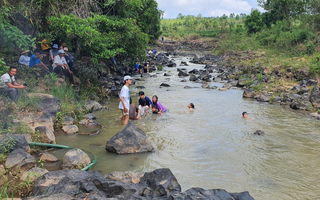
124,104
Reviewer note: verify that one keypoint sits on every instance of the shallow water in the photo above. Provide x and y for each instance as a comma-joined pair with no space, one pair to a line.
212,146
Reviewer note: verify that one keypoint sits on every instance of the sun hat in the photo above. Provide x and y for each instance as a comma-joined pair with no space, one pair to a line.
127,77
61,51
55,46
26,51
66,49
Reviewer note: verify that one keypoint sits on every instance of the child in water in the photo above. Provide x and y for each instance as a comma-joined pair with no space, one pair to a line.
191,106
158,105
143,107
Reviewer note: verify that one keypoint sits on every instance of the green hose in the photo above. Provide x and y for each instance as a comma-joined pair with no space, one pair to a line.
64,147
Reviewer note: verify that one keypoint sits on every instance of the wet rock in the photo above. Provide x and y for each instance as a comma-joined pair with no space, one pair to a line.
10,142
90,116
214,87
241,82
46,134
181,73
75,159
194,71
249,93
48,157
140,87
277,99
206,85
165,74
315,97
131,139
264,98
33,174
164,85
217,79
183,63
92,105
315,115
193,77
68,120
187,87
90,124
70,129
126,177
60,196
259,132
183,80
223,89
20,161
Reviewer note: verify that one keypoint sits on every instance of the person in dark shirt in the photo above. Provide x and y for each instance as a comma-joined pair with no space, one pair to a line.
142,96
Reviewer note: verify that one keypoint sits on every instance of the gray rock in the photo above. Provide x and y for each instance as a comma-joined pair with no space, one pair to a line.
165,74
90,124
33,174
60,196
70,129
20,161
182,73
249,93
206,85
193,77
10,142
75,159
187,87
126,177
92,105
90,116
264,98
47,157
183,80
214,87
46,134
241,82
2,170
217,79
315,97
164,85
131,139
68,120
259,132
277,99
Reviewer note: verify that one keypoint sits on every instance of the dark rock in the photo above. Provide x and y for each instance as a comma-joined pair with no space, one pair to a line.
259,132
49,103
249,93
46,134
315,97
264,98
183,63
60,196
33,174
126,177
68,120
140,87
187,87
9,143
90,123
90,116
183,80
301,73
193,78
131,139
277,99
181,73
20,161
165,74
241,82
75,159
194,71
164,85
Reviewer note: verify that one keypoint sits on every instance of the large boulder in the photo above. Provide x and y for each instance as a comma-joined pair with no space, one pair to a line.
10,142
127,177
92,105
249,93
46,134
131,139
75,159
49,104
34,121
20,161
60,196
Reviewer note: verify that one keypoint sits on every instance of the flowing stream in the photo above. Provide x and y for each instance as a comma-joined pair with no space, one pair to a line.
212,146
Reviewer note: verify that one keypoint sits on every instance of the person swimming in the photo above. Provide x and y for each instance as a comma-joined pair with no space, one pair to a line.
245,116
191,106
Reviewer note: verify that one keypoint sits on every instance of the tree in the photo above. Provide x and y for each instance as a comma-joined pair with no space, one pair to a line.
199,16
237,17
253,22
232,15
180,16
224,16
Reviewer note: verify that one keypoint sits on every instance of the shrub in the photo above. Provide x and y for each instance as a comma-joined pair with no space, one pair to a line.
193,36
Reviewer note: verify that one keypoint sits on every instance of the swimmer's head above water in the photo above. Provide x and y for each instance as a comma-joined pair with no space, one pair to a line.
191,106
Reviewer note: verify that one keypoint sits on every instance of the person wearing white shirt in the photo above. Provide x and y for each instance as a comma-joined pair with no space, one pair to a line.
24,58
61,67
9,86
124,104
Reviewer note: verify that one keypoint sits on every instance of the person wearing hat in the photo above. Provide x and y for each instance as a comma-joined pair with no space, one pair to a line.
35,59
24,58
68,58
53,53
60,66
45,45
124,104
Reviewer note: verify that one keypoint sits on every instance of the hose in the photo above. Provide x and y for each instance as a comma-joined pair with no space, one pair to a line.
64,147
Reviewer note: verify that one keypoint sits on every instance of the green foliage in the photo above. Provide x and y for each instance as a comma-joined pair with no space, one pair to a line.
253,22
100,36
50,80
259,77
3,67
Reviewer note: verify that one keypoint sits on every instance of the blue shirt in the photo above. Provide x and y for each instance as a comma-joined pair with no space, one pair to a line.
34,61
24,60
137,66
149,102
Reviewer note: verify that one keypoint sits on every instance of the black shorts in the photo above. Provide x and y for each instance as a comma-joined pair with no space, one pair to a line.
145,70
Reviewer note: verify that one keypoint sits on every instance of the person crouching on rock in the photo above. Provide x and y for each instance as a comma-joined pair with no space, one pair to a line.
9,86
156,103
124,104
61,67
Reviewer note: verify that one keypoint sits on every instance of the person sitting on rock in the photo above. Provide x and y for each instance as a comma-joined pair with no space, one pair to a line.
9,86
68,58
148,101
137,67
124,104
245,116
45,46
24,58
63,45
35,61
61,67
143,107
191,106
53,53
161,108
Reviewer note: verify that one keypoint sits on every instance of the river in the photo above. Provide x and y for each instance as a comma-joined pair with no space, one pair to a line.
213,146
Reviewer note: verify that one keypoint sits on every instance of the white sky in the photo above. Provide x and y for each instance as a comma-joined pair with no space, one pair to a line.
208,8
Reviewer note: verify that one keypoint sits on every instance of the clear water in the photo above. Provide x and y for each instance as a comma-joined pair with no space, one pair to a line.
212,146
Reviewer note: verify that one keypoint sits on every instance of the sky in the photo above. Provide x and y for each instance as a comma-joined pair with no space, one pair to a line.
207,8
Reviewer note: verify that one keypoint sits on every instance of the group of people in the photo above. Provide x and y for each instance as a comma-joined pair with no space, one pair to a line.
130,111
142,69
